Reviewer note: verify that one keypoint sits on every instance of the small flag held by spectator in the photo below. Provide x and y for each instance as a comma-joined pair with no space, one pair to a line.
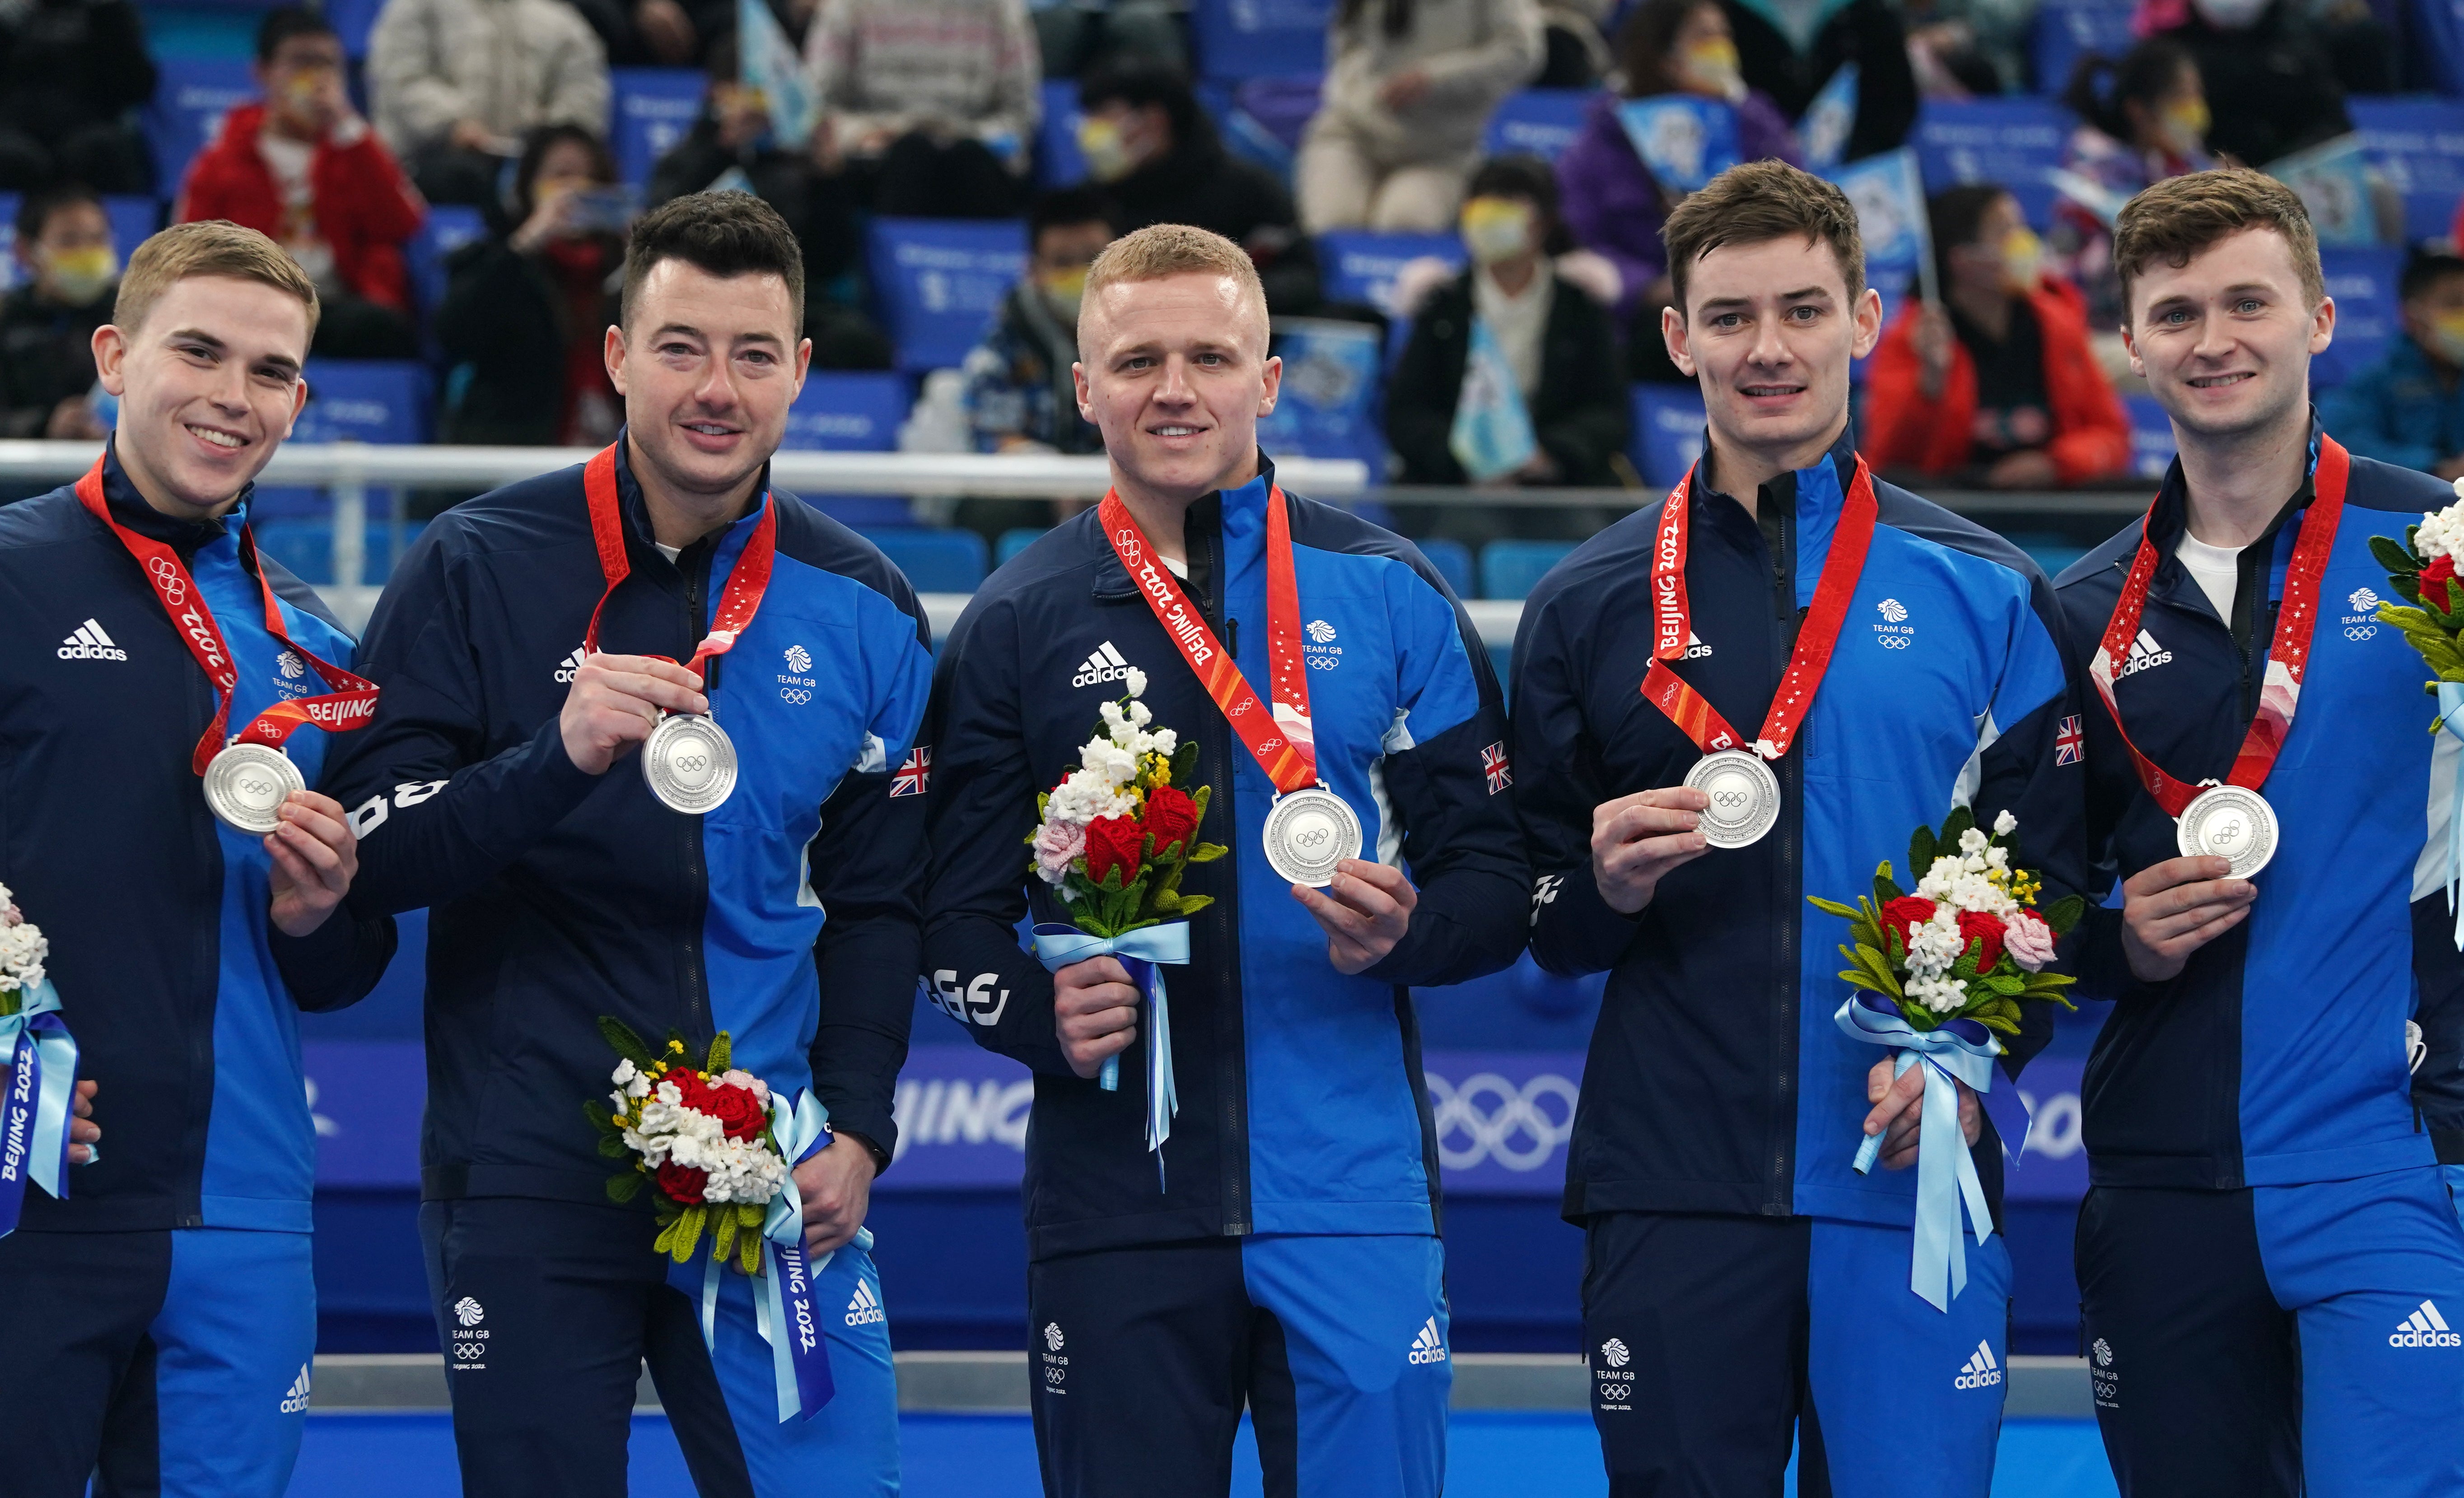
773,70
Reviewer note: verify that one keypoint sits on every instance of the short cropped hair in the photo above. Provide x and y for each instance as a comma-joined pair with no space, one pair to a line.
2423,270
1754,204
35,212
210,246
284,22
1164,249
725,234
2177,218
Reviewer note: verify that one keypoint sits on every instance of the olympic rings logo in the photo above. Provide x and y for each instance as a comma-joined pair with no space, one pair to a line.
1731,800
692,764
1894,641
1323,663
255,786
2359,631
1313,839
1489,1118
794,694
167,580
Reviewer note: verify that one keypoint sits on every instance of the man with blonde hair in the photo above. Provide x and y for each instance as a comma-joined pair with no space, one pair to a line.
162,1316
1273,1242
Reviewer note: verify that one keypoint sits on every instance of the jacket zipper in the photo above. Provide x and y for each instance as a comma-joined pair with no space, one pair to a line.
1231,1068
1780,1199
698,1022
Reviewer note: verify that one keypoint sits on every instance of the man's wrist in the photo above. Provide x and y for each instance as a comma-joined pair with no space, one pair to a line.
880,1157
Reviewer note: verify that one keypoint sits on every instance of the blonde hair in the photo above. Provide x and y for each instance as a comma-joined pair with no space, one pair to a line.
210,246
1164,249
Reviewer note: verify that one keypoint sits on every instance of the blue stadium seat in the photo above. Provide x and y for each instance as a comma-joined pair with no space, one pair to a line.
191,98
2419,144
939,281
2151,437
1251,39
354,19
1329,404
847,411
364,400
1667,432
1057,161
1511,569
10,271
1359,266
2363,280
1014,541
305,544
1538,121
2010,141
2053,550
449,226
935,561
654,109
2067,29
1453,561
133,222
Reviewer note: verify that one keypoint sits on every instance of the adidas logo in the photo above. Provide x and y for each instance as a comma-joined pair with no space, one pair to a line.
90,643
864,1310
296,1400
1105,664
2144,654
1429,1346
565,667
1979,1372
2424,1328
1695,649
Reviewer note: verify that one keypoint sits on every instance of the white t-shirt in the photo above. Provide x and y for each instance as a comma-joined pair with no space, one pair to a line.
2216,568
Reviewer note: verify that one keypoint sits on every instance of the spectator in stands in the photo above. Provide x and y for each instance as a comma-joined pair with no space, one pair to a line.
1408,90
2147,124
1996,385
1161,161
1575,54
1551,334
71,74
2408,407
1614,206
68,276
1790,51
928,105
457,84
526,311
1021,395
656,33
2269,75
303,169
732,144
1078,35
1968,49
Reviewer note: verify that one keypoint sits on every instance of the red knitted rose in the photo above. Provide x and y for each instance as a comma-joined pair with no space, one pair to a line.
1976,926
692,1092
737,1111
1112,843
2438,583
1172,816
1906,914
682,1183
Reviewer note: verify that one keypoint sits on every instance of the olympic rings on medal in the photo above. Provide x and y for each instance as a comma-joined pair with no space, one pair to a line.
1503,1123
692,764
1731,800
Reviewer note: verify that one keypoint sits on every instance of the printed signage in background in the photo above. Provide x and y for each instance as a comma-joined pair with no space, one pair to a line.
1328,404
1684,141
1888,192
2338,186
1829,120
2013,143
939,282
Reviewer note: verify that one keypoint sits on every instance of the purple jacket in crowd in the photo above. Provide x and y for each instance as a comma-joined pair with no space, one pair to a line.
1612,203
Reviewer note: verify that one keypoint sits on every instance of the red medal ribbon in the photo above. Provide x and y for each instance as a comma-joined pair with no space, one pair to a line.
1672,626
1281,740
2288,654
737,603
351,704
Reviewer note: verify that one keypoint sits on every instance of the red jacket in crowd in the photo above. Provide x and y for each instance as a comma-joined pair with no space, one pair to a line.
365,207
1905,430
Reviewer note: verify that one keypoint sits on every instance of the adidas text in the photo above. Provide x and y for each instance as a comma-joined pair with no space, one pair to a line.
864,1310
1428,1347
296,1400
565,667
88,642
1979,1372
2424,1328
1105,664
2144,654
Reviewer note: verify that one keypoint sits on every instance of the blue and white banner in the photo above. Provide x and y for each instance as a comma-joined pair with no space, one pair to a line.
1492,433
1888,191
771,67
1328,406
1829,120
2333,180
1685,140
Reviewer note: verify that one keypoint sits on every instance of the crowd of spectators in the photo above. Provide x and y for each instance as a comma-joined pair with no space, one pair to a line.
934,108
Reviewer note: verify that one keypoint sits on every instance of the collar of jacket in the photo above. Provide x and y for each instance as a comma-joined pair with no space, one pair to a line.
2169,519
1243,515
641,541
1812,502
185,537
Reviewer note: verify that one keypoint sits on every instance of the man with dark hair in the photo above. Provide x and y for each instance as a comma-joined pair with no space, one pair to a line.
747,874
302,168
1748,1289
2282,1073
1158,157
1019,397
2408,409
69,272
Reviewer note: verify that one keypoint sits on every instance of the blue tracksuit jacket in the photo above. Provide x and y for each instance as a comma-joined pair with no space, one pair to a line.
1718,1080
2277,1055
1302,1109
786,917
182,996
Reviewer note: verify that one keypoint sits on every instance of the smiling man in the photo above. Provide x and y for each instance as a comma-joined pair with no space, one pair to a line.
1886,661
587,846
1282,1253
2283,1069
161,1317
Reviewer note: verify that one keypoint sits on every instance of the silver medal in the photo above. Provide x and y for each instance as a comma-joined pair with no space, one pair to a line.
1309,832
247,784
1745,797
2230,822
690,762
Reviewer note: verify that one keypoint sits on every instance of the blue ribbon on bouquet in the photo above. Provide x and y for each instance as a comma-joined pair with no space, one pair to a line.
1057,947
2451,722
1957,1051
41,1059
784,1312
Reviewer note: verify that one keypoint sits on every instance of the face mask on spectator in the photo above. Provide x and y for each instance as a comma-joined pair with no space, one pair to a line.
1710,67
1063,291
2023,259
1496,228
2229,16
2183,125
1107,150
77,276
2447,336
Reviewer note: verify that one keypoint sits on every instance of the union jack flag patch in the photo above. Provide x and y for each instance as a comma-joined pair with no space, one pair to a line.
2070,742
1492,762
913,772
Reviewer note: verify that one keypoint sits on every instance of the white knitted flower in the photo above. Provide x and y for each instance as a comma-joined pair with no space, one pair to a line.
2005,824
2442,531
